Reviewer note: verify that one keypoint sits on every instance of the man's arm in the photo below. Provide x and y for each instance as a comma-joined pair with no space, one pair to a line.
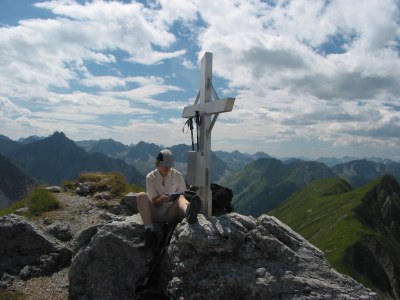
181,185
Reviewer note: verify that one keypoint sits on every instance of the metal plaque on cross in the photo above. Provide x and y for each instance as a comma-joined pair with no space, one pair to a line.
207,106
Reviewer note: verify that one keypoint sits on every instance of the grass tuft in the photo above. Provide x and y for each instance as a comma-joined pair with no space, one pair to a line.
38,201
113,182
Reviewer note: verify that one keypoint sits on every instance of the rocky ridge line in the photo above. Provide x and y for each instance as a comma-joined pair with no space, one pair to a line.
219,258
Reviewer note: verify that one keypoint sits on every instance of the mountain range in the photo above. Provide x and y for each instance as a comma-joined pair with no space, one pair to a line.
348,210
263,184
260,182
143,155
358,229
360,172
225,164
14,182
56,158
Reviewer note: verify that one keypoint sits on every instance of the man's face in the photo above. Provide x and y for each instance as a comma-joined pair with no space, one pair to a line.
164,170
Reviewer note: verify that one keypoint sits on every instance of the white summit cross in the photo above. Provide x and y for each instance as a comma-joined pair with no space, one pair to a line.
199,162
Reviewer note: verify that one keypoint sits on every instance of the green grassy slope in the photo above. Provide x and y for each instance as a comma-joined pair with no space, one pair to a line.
265,183
323,213
327,213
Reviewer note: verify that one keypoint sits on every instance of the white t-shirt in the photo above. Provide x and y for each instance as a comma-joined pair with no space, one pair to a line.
156,185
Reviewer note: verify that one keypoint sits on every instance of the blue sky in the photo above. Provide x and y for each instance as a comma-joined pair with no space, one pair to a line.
311,78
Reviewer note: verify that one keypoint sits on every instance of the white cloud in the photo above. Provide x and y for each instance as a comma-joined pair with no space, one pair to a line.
104,82
295,88
51,52
300,70
8,108
188,64
114,25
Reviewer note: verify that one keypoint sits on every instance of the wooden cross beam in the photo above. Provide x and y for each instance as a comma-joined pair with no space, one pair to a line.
199,162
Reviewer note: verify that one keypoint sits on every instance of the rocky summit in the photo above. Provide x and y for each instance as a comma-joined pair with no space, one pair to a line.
227,257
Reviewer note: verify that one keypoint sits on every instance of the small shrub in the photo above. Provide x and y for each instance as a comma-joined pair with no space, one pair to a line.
91,177
68,185
115,183
118,185
118,190
134,188
40,201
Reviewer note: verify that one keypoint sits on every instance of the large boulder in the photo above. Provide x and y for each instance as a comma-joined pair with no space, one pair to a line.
240,257
227,257
26,251
109,266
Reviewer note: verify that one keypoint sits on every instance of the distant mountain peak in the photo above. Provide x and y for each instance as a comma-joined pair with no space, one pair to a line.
3,137
381,206
58,134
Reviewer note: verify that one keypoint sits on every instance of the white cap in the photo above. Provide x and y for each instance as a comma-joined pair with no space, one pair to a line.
166,158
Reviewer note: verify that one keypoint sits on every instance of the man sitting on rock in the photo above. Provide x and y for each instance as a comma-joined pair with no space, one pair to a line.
159,204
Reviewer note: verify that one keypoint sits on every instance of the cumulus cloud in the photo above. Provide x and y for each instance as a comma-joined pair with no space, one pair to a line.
284,55
8,108
300,70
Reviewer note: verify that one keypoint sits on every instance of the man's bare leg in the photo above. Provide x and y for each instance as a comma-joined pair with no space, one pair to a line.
178,209
146,208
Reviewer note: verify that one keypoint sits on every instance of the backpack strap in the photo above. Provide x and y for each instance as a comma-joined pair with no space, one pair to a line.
146,289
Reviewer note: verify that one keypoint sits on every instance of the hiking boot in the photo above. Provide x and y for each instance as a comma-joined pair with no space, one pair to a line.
193,209
150,239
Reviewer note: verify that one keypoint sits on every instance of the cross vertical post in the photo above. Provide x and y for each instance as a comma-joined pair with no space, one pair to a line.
199,162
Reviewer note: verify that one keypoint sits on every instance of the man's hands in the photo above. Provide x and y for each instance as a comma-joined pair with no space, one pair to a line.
165,198
162,199
174,196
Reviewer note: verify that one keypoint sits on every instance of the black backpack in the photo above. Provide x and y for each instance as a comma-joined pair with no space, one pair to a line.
221,200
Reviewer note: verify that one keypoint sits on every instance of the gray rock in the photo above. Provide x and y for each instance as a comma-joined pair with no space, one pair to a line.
85,189
47,221
26,251
109,266
115,209
59,231
21,211
54,189
83,237
102,196
130,201
227,257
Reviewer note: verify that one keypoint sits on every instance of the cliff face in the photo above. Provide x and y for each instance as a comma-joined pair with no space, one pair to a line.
380,209
376,254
